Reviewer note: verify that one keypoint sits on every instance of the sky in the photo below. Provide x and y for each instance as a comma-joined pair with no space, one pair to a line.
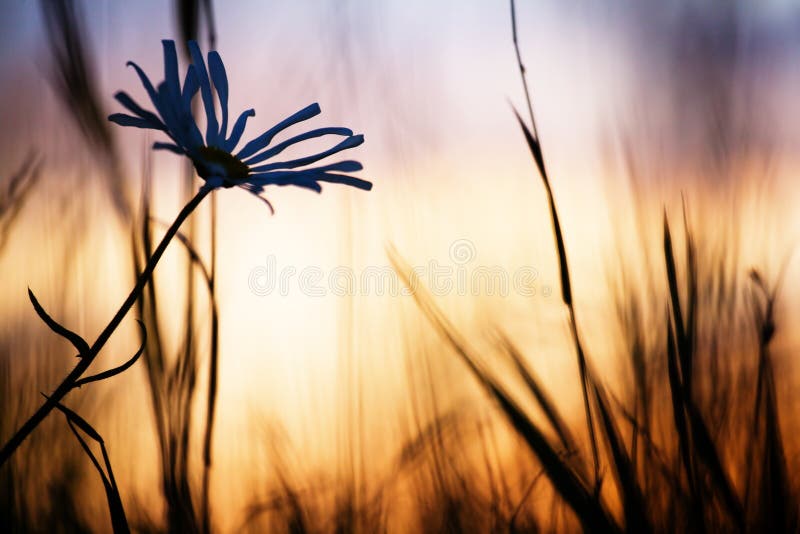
431,85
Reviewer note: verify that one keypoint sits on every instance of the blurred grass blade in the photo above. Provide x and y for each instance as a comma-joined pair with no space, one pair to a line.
678,407
774,509
194,256
694,437
426,438
544,400
196,260
74,79
691,303
657,456
707,452
171,382
778,514
682,342
73,72
189,13
633,502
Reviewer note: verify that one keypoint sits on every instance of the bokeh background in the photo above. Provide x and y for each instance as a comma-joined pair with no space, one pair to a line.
642,108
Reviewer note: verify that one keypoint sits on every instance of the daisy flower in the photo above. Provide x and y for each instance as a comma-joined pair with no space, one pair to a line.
218,162
215,155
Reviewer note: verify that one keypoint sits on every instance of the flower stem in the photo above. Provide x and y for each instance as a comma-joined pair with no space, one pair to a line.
86,359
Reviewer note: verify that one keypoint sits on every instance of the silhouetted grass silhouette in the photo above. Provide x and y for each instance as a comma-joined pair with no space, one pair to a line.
703,494
532,138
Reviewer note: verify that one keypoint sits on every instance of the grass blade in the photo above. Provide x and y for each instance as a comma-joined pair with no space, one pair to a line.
77,341
536,152
632,499
544,400
119,522
707,452
682,341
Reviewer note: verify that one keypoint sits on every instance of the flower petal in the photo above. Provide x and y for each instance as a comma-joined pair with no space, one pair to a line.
146,83
238,130
127,120
212,128
180,123
256,191
190,88
171,70
346,180
350,142
277,149
341,166
124,99
315,174
169,146
169,113
309,184
253,188
282,179
261,142
220,79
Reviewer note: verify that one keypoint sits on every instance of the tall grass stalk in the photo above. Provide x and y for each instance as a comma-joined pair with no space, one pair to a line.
534,144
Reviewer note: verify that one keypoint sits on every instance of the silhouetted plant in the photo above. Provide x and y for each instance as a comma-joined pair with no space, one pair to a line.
215,162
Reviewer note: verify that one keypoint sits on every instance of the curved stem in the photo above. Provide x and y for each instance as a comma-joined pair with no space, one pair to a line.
69,382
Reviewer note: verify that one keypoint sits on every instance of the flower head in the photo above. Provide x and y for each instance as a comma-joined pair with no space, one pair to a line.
215,155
